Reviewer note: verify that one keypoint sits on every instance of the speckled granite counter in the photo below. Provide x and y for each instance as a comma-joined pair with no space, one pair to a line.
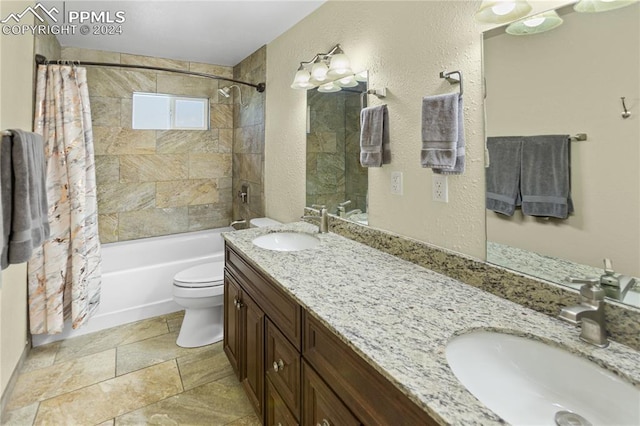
400,316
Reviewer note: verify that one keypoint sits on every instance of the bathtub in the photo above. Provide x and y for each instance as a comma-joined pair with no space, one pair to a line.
137,278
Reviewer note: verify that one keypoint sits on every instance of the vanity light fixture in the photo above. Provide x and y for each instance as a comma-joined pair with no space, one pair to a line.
591,6
535,24
502,11
323,70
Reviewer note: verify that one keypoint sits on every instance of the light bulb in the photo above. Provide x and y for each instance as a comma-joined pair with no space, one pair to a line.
503,7
340,66
319,71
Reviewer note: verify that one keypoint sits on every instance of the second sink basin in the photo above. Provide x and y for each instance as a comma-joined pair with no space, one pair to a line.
527,382
286,241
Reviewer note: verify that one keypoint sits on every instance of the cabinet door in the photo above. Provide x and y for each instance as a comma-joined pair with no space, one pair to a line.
277,413
253,353
232,324
282,365
321,407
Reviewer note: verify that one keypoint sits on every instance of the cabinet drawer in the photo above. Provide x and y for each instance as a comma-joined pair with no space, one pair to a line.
321,405
285,313
283,368
369,395
277,412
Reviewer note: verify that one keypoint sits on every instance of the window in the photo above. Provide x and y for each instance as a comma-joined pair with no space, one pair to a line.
160,112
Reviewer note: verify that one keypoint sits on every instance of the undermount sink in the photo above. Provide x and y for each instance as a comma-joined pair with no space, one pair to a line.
527,382
286,241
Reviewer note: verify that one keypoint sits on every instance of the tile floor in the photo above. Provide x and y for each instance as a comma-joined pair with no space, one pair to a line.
133,374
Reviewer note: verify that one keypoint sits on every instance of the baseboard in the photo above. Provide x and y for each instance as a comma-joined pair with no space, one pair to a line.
8,391
111,319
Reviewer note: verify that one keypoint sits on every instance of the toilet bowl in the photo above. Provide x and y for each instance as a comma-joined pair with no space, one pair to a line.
200,290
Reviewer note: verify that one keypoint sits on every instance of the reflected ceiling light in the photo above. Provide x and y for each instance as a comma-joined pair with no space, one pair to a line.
329,88
591,6
361,76
502,11
535,24
348,81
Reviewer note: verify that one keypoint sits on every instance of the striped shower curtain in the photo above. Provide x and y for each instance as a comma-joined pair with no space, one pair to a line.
64,274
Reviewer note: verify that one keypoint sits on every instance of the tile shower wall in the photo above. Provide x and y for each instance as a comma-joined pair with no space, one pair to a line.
248,144
157,182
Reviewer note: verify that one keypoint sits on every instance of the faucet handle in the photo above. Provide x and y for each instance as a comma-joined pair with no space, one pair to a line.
608,267
344,203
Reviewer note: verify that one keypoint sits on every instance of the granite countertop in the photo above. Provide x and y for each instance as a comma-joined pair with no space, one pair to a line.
399,317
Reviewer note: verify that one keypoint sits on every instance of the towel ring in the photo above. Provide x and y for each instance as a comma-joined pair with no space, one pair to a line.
453,80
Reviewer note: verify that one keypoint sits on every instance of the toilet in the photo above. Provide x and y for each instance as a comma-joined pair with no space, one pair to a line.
200,290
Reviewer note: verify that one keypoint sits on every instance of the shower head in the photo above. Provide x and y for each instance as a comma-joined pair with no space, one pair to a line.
226,92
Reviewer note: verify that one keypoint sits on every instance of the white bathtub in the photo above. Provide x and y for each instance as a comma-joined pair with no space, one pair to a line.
137,278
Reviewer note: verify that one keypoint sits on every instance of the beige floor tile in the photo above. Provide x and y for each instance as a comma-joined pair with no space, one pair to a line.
111,338
216,403
103,401
21,416
41,356
174,321
151,351
204,367
48,382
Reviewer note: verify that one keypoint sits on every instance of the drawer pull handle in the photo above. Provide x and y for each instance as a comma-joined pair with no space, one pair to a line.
325,422
278,365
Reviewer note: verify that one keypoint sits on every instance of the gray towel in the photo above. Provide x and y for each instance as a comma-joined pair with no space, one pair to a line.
24,197
374,136
503,174
443,133
545,180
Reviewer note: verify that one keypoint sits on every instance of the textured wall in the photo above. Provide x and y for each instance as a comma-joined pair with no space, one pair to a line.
248,144
605,222
157,182
16,107
405,54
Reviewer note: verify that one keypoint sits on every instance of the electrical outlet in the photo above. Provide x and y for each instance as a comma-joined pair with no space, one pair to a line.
396,183
440,188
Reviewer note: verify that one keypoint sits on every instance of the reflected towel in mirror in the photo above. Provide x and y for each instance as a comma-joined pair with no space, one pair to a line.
374,136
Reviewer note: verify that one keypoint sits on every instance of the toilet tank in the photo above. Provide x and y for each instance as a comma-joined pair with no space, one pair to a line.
261,222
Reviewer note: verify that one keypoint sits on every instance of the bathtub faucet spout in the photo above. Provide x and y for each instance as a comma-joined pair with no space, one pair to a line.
238,222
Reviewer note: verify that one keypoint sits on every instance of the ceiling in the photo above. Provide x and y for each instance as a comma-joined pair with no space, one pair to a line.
214,32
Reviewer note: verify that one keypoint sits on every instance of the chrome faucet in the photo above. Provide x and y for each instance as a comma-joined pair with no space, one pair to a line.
323,219
238,222
615,285
342,212
589,314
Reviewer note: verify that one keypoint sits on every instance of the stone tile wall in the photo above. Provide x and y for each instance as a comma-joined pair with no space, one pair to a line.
157,182
248,144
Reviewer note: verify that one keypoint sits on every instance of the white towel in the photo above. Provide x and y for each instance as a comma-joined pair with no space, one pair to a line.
374,136
443,134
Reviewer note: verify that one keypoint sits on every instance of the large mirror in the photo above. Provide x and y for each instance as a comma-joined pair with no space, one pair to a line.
570,80
334,175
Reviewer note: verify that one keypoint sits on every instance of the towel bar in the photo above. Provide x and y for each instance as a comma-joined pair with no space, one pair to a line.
578,137
6,133
453,80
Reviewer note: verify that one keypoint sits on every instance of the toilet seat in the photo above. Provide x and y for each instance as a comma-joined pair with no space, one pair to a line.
206,275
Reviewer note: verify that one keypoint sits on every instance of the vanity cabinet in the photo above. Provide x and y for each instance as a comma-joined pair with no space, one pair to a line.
293,368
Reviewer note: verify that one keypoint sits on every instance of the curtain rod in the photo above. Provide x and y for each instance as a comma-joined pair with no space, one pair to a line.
41,60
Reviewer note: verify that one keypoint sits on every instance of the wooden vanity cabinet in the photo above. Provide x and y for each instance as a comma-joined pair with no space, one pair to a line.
244,340
291,380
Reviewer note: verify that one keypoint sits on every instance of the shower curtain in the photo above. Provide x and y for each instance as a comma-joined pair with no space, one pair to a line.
64,274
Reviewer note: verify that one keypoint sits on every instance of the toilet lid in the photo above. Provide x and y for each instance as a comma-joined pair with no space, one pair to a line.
205,275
